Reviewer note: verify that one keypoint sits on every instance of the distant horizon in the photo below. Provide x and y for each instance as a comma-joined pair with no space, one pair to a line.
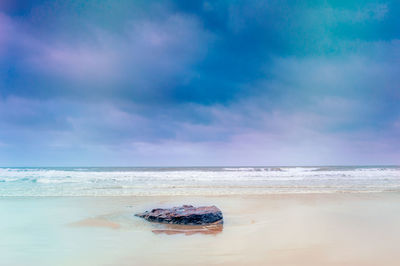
206,166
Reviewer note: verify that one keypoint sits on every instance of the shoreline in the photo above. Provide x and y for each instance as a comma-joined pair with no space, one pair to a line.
250,195
295,229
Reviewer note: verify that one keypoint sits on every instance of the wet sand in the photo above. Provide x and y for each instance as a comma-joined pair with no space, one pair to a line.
301,229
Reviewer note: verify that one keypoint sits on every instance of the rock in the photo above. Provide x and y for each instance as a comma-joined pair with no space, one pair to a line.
185,215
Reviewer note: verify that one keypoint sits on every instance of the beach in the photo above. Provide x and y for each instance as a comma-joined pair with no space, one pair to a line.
136,133
273,229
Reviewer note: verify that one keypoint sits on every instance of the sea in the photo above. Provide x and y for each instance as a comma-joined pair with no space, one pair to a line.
202,181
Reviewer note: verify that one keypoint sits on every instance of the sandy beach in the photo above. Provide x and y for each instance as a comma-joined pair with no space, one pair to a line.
296,229
281,116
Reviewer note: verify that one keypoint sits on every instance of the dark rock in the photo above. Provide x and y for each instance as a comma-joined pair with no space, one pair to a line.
186,215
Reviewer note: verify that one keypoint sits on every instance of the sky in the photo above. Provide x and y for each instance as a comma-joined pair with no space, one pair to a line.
199,83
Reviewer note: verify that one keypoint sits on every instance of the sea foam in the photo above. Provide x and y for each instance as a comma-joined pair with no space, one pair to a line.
195,181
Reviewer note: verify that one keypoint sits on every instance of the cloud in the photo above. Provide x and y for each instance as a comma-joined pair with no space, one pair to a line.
173,83
6,29
146,60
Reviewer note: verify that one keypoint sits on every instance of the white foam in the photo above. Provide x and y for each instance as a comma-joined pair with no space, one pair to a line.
194,181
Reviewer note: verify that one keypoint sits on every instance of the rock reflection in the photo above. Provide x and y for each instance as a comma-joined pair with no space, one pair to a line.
173,229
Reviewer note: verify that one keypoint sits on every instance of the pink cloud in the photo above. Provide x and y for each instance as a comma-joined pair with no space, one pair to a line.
166,47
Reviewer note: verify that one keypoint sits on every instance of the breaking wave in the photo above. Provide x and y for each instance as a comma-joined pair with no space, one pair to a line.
195,181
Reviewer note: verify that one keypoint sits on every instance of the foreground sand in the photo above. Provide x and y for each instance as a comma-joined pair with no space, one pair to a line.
313,229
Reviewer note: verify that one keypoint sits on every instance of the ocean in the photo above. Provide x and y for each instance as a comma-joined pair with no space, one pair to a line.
153,181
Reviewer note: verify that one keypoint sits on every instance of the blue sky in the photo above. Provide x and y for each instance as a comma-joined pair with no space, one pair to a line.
170,83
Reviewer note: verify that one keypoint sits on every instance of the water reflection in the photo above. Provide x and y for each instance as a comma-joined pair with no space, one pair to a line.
173,229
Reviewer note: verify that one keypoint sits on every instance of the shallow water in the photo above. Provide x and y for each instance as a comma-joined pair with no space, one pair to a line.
195,181
277,216
300,229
